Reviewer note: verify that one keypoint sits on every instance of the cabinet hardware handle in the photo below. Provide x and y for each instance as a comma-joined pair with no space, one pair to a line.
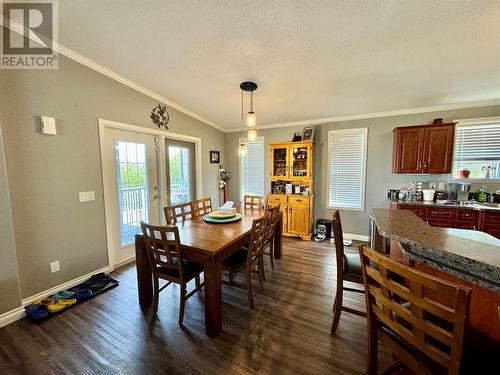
419,165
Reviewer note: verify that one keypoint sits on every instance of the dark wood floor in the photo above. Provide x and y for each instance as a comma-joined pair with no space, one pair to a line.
288,332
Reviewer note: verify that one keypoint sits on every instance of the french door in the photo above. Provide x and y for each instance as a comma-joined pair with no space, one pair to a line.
130,176
180,172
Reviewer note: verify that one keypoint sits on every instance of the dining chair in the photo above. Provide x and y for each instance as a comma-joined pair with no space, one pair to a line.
178,213
201,207
245,259
272,214
420,318
348,269
254,201
165,257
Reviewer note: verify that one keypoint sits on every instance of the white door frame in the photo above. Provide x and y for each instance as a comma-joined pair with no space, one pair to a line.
162,134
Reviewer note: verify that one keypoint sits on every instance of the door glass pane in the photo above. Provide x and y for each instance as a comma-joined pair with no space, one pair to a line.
133,189
299,157
279,162
180,173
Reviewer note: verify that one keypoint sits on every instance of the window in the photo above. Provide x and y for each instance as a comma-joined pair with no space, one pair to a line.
252,168
347,168
477,148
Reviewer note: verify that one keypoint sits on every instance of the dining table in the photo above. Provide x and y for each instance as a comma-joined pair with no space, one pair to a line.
208,244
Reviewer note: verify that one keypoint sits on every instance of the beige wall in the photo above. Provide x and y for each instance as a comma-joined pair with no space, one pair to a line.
9,283
379,176
46,173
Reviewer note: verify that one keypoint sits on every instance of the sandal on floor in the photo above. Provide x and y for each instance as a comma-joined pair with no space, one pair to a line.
82,294
99,285
61,305
93,279
37,312
62,294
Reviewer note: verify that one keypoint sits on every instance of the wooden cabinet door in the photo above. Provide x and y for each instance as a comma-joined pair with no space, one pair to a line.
284,209
279,162
438,149
417,210
298,219
407,150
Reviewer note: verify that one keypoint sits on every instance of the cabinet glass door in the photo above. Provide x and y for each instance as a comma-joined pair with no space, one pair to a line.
300,161
279,163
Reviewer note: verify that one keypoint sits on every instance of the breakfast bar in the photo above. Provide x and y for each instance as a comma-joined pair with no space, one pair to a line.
467,257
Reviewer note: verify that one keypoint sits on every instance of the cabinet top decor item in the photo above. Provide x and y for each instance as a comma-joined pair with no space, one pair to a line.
159,116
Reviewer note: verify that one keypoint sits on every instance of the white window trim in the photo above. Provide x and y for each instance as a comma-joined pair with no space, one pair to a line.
263,163
363,178
468,122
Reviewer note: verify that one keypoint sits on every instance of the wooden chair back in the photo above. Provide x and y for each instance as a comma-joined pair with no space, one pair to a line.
272,215
178,213
424,322
254,201
339,241
163,247
201,207
257,239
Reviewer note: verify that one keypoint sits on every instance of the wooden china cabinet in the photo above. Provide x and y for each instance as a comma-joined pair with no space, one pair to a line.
423,148
291,167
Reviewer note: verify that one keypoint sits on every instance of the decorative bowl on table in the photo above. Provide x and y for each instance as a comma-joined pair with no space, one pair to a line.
222,215
218,218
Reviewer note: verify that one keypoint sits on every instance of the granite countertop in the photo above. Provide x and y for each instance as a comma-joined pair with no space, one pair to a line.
470,255
462,205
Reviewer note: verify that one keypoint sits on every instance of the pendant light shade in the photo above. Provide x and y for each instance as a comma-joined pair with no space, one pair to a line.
242,150
252,134
251,119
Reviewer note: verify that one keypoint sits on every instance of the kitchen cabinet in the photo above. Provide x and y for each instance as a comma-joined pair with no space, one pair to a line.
491,223
423,148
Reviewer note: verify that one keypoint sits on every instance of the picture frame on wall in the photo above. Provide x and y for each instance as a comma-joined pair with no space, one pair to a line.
308,133
214,157
296,137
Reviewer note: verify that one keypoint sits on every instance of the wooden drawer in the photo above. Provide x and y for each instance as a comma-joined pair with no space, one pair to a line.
441,213
494,230
467,215
277,198
417,210
441,223
298,200
491,218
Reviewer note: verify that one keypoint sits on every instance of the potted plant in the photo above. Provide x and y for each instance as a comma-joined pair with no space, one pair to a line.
487,169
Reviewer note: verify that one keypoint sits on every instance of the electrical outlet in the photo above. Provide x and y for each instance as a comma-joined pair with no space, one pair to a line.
87,196
54,267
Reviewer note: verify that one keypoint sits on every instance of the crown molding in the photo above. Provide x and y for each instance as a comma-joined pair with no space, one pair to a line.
364,116
75,56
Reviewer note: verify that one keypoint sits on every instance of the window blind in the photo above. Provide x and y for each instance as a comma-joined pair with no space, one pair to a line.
477,145
347,168
252,169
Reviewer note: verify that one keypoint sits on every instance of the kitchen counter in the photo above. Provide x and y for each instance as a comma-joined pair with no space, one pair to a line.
469,255
463,205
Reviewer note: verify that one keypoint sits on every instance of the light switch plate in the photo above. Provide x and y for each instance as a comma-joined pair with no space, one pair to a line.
87,196
48,125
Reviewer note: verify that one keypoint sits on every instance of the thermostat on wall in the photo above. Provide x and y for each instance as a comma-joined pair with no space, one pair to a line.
48,125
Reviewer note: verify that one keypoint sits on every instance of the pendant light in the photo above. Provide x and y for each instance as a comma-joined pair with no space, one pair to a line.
242,149
250,118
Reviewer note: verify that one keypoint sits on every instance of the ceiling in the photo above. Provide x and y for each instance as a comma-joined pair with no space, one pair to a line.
311,59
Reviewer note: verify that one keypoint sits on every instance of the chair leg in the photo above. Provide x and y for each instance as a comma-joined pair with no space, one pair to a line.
182,303
337,307
372,352
271,250
249,288
261,271
156,295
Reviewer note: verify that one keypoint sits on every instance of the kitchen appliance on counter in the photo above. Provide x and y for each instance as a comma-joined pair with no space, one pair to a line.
459,191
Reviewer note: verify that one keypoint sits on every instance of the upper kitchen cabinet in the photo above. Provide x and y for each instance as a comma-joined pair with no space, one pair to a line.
423,148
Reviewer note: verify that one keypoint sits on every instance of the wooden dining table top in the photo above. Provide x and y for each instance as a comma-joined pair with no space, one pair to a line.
211,237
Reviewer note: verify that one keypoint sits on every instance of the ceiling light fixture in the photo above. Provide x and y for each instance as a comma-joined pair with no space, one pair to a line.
250,118
242,149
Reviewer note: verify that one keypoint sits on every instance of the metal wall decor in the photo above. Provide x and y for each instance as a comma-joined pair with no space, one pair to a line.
160,116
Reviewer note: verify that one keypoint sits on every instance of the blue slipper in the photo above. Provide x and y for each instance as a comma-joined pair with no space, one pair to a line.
37,312
82,294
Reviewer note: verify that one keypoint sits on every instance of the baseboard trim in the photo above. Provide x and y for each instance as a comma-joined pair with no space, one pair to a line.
124,262
357,237
11,316
69,284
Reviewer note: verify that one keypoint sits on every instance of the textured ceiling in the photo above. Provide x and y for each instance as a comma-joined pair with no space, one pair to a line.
311,59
